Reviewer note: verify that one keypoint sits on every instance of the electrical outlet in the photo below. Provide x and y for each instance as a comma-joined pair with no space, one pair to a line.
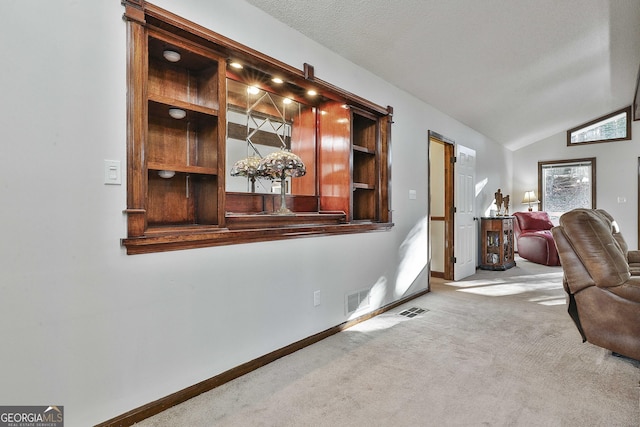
316,298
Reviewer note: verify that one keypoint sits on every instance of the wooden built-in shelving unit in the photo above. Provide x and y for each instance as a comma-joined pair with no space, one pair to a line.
176,192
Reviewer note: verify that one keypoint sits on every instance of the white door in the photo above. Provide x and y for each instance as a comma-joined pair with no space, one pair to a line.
465,227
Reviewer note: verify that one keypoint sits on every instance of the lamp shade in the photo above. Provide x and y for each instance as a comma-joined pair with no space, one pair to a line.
246,167
529,197
280,164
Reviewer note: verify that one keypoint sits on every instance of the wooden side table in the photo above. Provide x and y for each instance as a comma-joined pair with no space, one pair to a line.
496,238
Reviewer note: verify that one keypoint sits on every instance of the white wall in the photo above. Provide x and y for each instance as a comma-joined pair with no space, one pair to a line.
86,326
616,174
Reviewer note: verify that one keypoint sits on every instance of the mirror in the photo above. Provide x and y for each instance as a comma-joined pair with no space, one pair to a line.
260,122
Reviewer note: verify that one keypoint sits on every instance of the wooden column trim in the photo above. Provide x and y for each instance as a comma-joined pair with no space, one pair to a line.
137,70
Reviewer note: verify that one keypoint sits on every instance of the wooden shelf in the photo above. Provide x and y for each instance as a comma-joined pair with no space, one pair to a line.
189,146
156,166
182,199
159,105
364,205
267,220
362,186
365,150
365,131
365,139
186,237
194,79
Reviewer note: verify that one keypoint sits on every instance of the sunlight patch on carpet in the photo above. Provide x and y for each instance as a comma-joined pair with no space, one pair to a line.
549,300
544,277
377,323
387,320
511,288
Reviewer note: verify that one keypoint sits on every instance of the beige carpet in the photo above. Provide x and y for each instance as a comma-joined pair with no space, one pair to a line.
497,349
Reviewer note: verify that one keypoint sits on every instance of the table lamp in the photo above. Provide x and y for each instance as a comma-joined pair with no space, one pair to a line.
279,165
529,198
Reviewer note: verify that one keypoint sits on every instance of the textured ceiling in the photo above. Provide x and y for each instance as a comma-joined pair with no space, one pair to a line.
517,71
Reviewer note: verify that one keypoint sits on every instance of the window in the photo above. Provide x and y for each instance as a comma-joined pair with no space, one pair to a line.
612,127
564,185
203,111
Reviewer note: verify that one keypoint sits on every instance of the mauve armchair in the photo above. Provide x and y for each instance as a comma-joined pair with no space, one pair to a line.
534,239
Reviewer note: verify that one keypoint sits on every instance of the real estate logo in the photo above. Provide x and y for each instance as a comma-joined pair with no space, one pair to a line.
32,416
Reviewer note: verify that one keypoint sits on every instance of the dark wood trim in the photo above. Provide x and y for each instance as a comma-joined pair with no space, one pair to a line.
437,274
636,99
386,213
438,218
136,126
626,110
449,217
135,3
309,73
192,237
150,409
449,203
441,138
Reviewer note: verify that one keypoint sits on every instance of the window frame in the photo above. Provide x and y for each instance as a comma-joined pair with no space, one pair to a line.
636,100
626,110
542,164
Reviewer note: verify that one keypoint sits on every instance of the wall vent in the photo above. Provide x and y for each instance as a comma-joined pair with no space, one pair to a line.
358,300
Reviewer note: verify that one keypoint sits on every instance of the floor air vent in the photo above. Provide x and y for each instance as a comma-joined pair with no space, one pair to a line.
412,312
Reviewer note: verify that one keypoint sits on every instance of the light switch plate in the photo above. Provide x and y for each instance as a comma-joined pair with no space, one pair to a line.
412,194
112,172
316,298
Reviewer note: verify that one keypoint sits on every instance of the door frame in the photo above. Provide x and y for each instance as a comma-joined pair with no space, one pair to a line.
449,217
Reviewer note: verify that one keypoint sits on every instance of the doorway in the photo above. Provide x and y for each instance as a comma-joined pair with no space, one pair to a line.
441,206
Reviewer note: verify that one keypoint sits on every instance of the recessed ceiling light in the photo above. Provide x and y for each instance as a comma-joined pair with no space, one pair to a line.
287,101
171,55
177,113
236,65
166,174
253,90
312,92
277,80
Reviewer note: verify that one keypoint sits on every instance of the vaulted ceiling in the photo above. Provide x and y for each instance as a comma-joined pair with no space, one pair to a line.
517,71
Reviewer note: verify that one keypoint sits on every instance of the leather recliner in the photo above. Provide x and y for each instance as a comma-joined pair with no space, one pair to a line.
633,257
533,237
604,298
